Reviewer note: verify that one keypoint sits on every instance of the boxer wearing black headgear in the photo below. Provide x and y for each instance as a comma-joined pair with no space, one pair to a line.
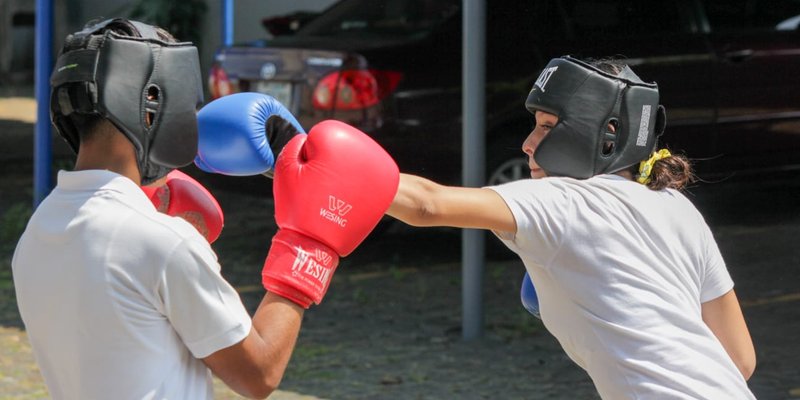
608,246
141,309
586,101
148,87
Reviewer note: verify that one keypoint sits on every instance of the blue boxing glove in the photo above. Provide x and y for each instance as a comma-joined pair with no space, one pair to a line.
527,294
242,134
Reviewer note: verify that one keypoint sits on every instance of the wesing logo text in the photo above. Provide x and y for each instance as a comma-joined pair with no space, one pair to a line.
309,266
336,211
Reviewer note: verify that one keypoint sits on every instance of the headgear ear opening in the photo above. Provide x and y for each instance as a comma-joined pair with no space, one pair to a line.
149,89
586,100
610,137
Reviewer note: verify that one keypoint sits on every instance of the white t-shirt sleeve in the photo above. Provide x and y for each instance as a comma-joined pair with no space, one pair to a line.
540,210
205,310
716,280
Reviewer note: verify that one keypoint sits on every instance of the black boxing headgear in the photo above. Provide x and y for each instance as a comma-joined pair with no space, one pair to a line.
148,88
586,100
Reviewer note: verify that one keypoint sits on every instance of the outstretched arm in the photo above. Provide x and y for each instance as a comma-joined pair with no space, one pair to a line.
723,316
422,202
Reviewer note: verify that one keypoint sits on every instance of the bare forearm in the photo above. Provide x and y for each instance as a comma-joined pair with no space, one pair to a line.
277,321
412,202
255,366
421,202
723,316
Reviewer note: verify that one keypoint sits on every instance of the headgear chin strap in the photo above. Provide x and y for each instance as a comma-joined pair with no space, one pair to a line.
586,100
148,88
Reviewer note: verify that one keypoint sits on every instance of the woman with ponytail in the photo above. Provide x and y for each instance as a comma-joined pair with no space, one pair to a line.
628,275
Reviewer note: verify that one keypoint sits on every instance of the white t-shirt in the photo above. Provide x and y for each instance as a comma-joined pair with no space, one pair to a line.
621,271
120,301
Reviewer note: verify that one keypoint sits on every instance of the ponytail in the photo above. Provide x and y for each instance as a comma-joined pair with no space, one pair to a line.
666,171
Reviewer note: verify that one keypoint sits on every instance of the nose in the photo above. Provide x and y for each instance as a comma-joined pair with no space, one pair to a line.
528,145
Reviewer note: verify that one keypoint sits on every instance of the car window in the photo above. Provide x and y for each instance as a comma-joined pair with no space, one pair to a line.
369,18
593,18
752,15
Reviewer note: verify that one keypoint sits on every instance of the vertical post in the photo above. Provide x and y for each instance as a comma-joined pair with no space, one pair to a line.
42,140
227,22
473,160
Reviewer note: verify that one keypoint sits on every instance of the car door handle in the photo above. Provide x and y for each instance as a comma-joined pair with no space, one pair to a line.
738,55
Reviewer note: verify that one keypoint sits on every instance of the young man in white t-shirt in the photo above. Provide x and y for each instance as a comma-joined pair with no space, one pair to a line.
121,301
628,275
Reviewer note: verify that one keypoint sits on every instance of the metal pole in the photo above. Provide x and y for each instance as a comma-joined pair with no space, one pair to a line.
473,161
42,140
227,22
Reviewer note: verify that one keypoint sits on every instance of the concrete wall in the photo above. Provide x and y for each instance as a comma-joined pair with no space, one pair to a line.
17,39
16,42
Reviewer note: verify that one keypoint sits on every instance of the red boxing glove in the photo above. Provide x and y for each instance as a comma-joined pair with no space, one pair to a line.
179,195
331,188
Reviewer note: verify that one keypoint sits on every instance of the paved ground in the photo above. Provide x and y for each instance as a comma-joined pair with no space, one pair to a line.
390,326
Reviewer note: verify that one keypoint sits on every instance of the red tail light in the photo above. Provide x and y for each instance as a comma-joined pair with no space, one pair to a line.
354,89
218,83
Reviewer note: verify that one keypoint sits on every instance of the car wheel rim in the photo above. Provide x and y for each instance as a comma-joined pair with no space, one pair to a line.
509,171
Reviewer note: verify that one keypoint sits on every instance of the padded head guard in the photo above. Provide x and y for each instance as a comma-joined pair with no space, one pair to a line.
148,88
586,100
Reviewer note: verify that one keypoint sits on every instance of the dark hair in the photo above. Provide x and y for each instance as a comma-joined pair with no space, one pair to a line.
609,65
674,172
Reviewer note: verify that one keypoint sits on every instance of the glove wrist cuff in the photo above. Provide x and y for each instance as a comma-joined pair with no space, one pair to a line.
298,268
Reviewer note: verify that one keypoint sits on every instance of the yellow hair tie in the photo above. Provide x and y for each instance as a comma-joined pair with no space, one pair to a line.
646,167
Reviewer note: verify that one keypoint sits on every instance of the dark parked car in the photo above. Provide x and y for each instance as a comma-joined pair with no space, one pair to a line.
728,70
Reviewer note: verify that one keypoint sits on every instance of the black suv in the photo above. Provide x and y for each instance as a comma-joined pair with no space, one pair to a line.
728,70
